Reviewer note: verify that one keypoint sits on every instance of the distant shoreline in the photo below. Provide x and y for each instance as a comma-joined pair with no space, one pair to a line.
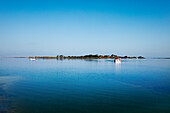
162,58
86,57
79,57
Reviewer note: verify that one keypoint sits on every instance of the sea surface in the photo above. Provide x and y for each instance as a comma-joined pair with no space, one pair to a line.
84,86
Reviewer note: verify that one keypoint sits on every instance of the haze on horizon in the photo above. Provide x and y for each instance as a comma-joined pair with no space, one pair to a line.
78,27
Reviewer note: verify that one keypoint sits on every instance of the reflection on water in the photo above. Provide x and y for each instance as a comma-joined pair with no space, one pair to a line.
134,86
118,67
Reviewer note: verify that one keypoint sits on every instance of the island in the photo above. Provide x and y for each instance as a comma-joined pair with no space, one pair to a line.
90,56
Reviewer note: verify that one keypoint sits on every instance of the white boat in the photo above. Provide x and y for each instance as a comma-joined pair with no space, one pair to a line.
32,59
117,60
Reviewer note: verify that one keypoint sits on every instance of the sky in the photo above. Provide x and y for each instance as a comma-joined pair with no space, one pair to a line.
79,27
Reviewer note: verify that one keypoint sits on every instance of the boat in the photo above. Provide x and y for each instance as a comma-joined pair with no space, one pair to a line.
117,60
32,59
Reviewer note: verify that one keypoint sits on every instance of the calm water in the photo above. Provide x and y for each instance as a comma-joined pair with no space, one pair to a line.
77,86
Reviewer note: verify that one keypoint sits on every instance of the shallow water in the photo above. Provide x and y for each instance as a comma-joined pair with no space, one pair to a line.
70,86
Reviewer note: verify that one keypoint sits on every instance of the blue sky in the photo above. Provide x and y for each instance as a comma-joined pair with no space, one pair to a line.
78,27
